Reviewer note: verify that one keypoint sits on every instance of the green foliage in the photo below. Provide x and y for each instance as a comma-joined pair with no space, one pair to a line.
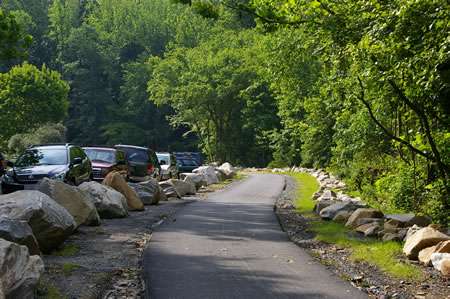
48,133
66,251
13,42
30,98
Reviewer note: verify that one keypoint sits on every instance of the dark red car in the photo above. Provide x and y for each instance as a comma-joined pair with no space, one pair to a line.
105,160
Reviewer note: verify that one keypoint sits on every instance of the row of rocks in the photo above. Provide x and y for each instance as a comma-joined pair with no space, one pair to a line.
429,243
36,221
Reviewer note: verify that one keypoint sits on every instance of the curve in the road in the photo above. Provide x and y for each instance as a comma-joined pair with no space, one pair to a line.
231,246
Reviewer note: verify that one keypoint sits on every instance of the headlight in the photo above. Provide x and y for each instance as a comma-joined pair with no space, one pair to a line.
59,176
7,178
104,171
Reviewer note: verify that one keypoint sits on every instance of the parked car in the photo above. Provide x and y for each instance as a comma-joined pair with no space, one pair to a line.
169,165
105,160
193,155
187,164
62,162
143,163
2,164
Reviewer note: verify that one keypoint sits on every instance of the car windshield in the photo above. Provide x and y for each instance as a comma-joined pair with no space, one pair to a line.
162,158
101,155
187,162
43,156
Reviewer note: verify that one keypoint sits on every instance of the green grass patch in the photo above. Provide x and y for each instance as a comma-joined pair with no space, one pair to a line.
376,252
307,185
68,267
66,251
50,291
384,255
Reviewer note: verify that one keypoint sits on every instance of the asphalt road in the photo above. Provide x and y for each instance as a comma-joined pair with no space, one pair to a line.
231,246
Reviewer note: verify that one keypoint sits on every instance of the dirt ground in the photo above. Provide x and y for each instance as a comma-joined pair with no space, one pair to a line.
105,261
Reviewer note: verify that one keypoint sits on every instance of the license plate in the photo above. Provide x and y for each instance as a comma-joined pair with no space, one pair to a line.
28,187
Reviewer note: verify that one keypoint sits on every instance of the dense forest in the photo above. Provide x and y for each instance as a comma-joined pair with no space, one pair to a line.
360,88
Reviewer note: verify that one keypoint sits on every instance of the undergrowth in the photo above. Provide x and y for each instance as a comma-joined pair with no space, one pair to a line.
382,254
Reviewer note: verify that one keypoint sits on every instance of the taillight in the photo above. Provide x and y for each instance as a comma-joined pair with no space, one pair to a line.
150,167
2,164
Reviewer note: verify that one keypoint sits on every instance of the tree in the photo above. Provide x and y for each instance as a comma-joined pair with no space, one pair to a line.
29,98
12,42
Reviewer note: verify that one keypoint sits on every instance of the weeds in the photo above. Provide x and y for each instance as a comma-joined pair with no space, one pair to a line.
66,251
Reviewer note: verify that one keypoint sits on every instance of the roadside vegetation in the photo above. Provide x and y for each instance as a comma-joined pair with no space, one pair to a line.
385,255
358,88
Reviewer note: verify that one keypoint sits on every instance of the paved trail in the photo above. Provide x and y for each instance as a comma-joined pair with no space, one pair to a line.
231,246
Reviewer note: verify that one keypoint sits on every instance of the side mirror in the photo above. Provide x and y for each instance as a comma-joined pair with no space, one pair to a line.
77,161
10,163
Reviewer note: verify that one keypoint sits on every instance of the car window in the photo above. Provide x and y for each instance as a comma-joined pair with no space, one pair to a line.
45,156
163,158
101,155
137,155
188,162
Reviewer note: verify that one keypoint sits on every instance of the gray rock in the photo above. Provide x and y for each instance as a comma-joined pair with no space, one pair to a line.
372,231
406,220
148,191
19,272
322,204
72,199
208,173
192,188
197,178
363,213
182,187
221,175
169,190
426,237
342,216
331,211
362,221
327,195
108,202
228,169
50,222
391,237
18,231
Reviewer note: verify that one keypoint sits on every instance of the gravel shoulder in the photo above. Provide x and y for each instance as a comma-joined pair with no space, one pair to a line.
105,261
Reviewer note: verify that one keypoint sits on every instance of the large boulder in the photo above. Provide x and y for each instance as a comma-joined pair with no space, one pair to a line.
19,272
322,204
182,187
72,199
331,211
169,190
407,220
50,222
327,195
198,179
441,262
228,169
352,222
116,181
208,173
108,202
426,237
18,231
425,254
221,175
190,181
148,191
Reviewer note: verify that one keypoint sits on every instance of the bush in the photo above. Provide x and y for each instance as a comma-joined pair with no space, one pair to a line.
48,133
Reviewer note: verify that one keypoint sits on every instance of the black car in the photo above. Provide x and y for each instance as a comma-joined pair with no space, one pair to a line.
62,162
187,164
143,163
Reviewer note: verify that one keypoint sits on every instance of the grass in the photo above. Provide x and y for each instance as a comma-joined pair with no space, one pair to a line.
66,251
228,181
50,290
68,267
373,251
307,186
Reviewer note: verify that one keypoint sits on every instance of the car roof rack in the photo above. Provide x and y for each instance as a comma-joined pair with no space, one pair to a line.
52,144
